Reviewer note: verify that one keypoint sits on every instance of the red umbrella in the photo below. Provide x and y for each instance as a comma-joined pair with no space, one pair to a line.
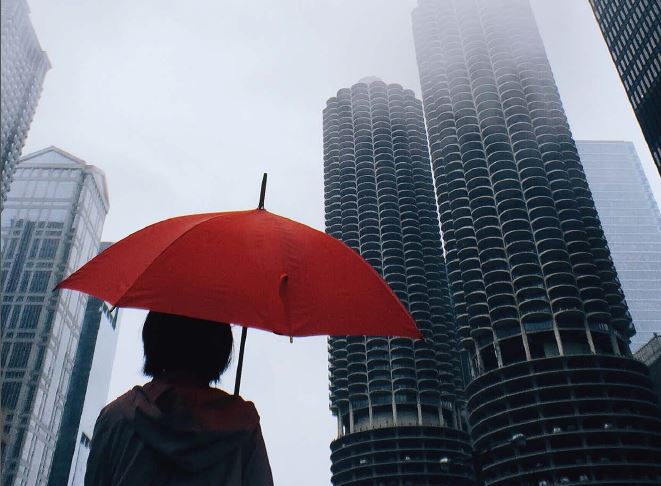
252,268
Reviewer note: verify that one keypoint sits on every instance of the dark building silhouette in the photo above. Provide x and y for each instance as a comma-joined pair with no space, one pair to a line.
650,354
632,31
555,396
397,401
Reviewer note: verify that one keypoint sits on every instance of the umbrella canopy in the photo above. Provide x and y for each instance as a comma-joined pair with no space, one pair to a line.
247,267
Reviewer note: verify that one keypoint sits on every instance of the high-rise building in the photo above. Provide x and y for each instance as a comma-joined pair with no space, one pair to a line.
88,392
23,69
51,225
631,221
397,401
555,396
650,354
632,31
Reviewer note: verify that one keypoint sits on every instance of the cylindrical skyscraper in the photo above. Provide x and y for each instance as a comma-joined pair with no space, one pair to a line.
555,397
395,399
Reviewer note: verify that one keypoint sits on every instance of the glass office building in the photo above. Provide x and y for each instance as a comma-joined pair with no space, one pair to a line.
555,396
88,391
632,31
398,402
51,225
632,224
23,69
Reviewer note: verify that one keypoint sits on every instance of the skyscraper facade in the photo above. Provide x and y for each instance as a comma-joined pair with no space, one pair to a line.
23,69
650,354
632,31
397,402
87,393
51,225
555,396
632,224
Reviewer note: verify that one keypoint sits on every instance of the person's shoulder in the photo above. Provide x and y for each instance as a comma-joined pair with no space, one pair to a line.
244,410
121,407
236,400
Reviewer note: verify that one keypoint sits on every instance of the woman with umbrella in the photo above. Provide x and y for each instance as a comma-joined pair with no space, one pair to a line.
177,429
249,267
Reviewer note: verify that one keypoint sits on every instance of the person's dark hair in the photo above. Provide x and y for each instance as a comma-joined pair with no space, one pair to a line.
177,343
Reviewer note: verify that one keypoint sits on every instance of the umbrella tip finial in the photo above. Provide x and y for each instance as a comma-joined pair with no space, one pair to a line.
262,194
291,339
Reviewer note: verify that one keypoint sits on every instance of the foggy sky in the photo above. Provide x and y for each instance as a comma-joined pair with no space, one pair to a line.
185,104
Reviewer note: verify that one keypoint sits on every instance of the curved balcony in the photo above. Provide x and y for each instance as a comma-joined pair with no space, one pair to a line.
431,454
541,415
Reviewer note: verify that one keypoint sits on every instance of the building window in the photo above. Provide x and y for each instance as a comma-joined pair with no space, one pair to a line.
48,248
85,441
39,281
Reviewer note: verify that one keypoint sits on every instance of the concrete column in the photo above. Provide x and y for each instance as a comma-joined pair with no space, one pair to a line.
496,348
350,418
369,408
558,340
394,410
588,334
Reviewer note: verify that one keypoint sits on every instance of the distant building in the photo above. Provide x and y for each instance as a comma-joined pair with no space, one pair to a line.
88,392
24,66
631,221
632,31
398,402
650,354
51,225
538,304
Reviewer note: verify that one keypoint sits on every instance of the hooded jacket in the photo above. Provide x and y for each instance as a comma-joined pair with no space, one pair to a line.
169,433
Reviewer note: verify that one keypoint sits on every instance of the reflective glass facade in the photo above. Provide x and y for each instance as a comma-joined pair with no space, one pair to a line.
398,402
632,224
555,396
88,392
632,31
51,225
23,69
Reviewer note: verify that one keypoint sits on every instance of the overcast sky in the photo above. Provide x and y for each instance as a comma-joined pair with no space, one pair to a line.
184,104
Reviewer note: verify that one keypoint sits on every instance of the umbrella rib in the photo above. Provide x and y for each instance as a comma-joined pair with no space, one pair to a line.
160,254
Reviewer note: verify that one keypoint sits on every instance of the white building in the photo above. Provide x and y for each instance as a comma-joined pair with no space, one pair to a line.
88,392
51,225
24,66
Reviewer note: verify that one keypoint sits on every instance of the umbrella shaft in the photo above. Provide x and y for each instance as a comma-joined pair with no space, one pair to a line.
239,367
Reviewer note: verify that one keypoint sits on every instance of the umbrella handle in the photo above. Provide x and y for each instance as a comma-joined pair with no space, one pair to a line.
262,193
239,367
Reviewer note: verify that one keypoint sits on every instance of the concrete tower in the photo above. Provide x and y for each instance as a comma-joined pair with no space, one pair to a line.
397,401
555,396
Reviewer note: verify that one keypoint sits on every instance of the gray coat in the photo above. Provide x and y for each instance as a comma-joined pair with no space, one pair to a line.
167,433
